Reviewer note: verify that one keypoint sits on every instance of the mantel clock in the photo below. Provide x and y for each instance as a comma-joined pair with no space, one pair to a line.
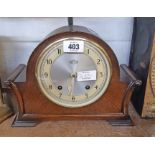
72,74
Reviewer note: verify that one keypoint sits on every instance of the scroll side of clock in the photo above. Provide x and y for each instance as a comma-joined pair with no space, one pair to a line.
31,105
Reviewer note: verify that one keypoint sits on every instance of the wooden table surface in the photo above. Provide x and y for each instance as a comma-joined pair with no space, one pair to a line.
143,127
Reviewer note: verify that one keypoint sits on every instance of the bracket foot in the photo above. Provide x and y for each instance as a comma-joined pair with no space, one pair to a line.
127,121
23,123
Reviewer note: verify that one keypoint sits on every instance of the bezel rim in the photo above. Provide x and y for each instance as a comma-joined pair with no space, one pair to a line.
103,53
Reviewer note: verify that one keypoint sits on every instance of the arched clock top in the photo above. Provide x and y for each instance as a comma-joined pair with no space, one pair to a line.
72,32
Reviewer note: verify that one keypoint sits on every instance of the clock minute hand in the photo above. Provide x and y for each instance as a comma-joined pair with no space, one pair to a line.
71,84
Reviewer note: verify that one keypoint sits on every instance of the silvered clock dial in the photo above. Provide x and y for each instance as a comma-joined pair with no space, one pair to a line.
73,72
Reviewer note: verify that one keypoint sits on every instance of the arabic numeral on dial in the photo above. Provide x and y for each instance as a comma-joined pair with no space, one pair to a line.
50,86
49,61
73,46
88,51
96,86
101,74
73,98
86,95
98,61
45,74
59,51
60,94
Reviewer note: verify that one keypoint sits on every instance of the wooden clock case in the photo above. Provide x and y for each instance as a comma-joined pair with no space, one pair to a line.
33,107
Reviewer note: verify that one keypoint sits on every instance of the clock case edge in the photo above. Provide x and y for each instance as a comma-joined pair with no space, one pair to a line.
27,119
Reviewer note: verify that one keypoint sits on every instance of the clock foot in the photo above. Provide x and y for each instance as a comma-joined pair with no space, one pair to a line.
127,121
23,123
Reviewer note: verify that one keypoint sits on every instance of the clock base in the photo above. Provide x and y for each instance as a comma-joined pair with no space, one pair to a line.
28,118
125,121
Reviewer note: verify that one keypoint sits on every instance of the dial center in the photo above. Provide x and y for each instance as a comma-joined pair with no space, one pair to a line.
73,75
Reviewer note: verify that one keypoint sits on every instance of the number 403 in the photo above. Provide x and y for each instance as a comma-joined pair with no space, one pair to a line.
73,46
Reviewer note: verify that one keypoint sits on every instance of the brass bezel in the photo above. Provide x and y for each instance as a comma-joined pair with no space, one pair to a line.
104,54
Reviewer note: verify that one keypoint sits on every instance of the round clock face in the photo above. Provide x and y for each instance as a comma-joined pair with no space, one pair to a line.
73,72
